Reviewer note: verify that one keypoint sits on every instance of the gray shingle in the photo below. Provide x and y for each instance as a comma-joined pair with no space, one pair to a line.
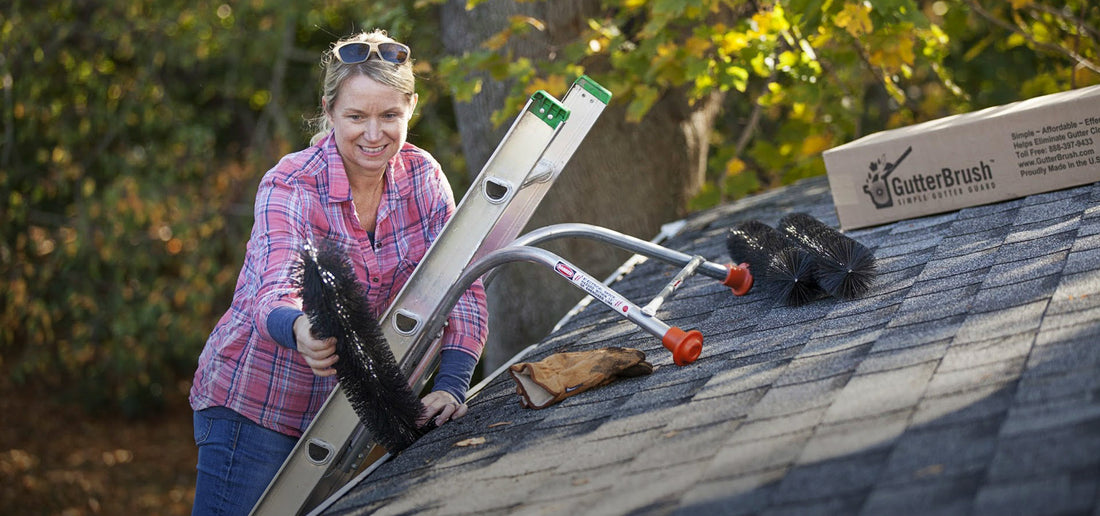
966,381
1049,494
964,406
737,495
869,394
794,398
849,475
927,494
834,439
952,450
960,380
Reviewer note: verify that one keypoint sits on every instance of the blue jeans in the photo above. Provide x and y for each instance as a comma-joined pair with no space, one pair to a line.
237,459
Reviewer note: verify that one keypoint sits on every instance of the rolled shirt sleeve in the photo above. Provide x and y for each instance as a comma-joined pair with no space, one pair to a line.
277,236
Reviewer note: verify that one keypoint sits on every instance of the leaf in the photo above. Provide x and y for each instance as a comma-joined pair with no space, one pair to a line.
855,18
498,40
734,166
735,186
473,441
788,59
707,197
807,14
644,98
739,77
733,42
1016,40
554,85
770,21
892,52
696,47
761,65
1085,76
519,22
814,144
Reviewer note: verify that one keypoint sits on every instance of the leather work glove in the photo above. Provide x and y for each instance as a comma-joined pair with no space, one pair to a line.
561,375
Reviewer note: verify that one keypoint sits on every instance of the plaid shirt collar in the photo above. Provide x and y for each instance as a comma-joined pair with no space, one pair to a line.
339,189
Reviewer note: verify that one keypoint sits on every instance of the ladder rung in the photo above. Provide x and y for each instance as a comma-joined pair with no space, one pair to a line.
658,300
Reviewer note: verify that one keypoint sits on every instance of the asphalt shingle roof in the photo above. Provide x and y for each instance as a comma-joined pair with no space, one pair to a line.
967,381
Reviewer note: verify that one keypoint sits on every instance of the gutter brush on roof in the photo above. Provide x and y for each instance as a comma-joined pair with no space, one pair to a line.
804,260
845,267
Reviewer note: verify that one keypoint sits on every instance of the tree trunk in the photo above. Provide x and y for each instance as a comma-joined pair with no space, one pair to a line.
629,177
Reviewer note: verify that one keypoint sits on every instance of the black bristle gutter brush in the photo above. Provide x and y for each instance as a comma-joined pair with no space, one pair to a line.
845,268
782,269
336,304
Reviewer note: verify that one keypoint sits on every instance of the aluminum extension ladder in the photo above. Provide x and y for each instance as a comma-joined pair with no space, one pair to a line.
499,203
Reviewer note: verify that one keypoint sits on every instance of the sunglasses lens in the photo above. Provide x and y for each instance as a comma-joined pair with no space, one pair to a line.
352,53
357,52
393,52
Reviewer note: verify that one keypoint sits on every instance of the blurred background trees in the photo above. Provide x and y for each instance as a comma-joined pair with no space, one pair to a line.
134,133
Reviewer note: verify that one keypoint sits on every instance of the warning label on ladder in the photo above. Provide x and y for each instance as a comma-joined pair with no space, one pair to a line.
593,288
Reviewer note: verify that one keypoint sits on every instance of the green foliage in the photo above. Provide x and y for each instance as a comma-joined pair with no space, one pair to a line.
134,136
802,76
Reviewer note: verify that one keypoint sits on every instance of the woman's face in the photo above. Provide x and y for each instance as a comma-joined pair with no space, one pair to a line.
371,122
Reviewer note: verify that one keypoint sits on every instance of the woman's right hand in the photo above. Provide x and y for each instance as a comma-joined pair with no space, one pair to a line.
320,355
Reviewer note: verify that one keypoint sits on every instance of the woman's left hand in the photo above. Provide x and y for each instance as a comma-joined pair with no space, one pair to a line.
442,406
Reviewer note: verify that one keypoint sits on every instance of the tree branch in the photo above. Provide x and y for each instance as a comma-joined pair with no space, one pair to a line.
1054,49
273,111
1079,21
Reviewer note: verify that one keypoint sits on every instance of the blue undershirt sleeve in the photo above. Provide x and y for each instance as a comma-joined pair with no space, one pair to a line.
280,324
455,370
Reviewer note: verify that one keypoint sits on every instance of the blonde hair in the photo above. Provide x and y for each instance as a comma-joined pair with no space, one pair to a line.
399,77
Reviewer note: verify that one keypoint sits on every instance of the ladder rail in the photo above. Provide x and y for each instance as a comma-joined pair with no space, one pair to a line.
585,100
554,262
666,293
627,242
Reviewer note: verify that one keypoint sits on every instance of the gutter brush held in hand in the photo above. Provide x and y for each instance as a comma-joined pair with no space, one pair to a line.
336,305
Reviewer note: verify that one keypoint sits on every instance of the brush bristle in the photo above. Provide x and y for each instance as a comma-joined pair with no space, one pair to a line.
336,305
846,268
783,270
794,273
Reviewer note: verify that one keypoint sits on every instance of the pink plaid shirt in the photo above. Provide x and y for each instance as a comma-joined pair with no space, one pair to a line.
306,196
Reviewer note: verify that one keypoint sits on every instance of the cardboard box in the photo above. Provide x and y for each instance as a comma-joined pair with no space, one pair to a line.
1036,145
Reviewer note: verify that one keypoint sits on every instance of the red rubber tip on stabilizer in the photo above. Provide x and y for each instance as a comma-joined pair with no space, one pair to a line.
685,346
739,279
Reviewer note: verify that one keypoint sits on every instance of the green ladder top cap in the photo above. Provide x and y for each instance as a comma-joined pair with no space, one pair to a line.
602,94
548,109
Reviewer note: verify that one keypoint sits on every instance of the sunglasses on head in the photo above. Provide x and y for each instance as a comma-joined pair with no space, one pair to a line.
352,52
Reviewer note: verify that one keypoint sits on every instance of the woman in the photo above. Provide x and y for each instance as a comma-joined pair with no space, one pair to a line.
262,376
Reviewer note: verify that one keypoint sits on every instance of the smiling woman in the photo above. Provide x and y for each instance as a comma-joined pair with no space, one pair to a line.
362,187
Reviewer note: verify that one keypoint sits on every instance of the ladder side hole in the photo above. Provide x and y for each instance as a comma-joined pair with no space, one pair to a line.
495,190
319,452
405,322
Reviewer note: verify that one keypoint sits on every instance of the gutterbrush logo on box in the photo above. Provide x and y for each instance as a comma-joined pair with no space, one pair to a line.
887,188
